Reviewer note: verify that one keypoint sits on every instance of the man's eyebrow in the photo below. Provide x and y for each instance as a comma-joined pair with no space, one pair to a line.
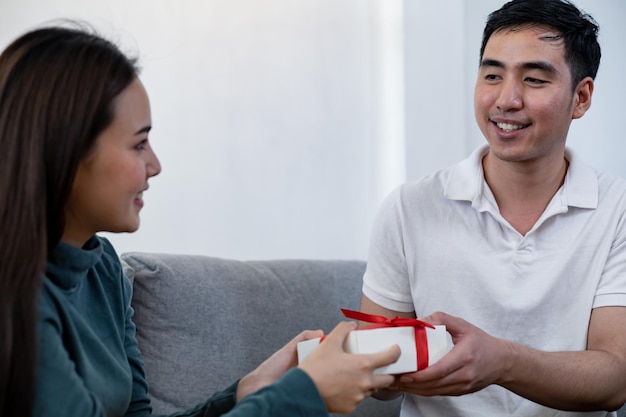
538,65
487,62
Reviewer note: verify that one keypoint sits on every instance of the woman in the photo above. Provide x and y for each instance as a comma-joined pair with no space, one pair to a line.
75,160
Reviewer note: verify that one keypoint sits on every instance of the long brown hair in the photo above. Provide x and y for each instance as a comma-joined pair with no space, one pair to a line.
57,87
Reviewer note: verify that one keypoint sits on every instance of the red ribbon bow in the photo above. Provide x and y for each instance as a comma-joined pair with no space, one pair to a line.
421,341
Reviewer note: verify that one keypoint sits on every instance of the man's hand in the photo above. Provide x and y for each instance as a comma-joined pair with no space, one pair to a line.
476,361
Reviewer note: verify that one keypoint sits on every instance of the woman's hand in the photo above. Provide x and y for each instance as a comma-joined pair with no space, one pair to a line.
342,379
275,366
345,379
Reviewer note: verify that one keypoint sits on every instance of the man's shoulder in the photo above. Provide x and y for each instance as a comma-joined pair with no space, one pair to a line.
427,186
611,189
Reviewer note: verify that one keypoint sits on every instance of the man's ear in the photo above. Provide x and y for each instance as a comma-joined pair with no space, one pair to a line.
582,97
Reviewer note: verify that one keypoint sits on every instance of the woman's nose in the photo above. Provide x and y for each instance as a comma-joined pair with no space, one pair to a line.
153,165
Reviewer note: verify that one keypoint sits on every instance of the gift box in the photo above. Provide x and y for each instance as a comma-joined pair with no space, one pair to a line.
421,344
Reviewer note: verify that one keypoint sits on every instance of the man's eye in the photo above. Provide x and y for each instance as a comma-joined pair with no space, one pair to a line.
535,81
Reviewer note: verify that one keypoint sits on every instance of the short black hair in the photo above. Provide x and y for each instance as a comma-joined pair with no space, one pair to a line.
577,29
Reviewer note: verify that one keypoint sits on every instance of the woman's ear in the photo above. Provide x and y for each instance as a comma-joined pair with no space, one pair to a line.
582,97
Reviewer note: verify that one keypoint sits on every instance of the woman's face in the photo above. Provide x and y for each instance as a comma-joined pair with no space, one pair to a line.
107,193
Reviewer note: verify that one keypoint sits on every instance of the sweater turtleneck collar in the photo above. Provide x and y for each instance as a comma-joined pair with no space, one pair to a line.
68,265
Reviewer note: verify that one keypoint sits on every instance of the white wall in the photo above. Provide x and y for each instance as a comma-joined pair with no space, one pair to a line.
281,124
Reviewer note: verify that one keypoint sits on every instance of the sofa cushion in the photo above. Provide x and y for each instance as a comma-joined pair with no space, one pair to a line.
203,322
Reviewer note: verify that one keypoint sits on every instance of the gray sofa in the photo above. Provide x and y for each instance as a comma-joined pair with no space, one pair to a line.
204,322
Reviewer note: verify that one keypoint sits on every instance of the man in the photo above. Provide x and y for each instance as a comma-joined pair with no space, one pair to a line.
520,250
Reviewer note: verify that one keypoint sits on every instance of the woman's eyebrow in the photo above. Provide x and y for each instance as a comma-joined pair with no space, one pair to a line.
143,130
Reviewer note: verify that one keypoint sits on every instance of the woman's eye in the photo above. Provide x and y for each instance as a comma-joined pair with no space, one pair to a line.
141,145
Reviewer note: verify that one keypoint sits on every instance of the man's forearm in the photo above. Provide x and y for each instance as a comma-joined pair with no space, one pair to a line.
576,381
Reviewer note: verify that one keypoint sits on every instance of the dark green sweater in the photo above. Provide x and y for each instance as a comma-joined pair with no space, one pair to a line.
89,361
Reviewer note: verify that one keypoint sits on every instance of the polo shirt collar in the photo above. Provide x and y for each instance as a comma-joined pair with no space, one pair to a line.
581,183
466,181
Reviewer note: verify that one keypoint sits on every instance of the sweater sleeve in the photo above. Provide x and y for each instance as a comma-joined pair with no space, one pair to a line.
294,394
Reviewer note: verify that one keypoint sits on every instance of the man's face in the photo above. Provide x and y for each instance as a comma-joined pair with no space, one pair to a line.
523,99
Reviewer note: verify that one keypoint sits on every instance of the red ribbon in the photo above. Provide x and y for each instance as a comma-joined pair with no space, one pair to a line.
421,341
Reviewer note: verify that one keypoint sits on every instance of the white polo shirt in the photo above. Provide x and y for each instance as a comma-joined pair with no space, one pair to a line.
440,244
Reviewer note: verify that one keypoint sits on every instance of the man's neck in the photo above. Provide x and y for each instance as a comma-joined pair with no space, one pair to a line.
523,190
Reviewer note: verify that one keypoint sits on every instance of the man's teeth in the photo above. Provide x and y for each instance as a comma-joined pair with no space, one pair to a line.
508,127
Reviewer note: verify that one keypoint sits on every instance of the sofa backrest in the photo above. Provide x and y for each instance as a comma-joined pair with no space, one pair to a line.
203,322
